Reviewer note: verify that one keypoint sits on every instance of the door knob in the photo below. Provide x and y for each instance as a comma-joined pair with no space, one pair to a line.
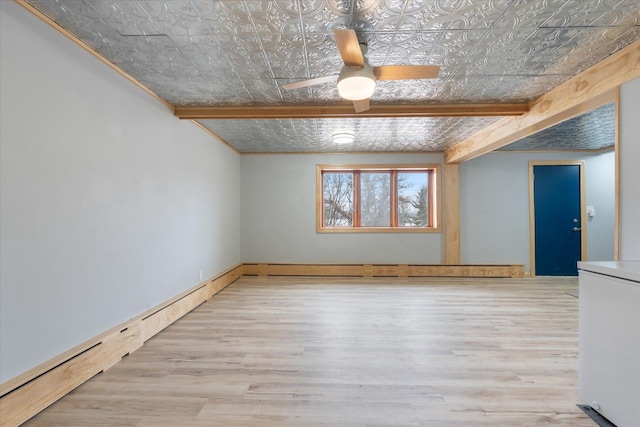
577,228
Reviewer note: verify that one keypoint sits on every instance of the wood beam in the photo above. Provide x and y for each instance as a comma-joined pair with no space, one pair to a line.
588,90
338,111
451,214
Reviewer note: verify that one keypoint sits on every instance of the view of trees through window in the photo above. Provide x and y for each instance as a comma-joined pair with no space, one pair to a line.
338,199
372,198
413,199
375,199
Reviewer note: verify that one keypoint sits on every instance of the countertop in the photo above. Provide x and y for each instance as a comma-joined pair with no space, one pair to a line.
629,270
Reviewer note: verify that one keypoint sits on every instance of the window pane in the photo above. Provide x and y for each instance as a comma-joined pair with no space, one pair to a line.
413,199
375,199
337,191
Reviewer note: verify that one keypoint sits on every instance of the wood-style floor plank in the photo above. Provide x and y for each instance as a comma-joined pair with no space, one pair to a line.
270,351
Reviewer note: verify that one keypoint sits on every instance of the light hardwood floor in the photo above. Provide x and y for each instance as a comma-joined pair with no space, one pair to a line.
350,352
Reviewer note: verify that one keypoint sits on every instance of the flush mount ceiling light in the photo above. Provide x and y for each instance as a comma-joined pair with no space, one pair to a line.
343,138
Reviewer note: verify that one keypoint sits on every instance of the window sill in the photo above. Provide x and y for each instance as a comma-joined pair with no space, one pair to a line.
339,230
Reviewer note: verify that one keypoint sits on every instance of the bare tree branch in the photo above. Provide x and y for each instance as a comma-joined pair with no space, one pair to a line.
336,206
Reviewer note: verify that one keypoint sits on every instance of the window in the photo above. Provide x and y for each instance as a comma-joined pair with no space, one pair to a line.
377,198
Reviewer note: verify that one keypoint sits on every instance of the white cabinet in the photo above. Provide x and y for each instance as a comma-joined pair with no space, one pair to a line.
610,339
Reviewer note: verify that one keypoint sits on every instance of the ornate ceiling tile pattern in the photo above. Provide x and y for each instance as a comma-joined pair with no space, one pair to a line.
373,134
241,52
594,130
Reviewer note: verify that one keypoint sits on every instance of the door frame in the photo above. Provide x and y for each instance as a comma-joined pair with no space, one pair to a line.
532,219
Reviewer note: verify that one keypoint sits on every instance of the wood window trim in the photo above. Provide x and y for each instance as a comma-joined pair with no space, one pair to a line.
434,196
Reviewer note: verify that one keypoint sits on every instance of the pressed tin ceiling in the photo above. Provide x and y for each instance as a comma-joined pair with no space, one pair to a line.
371,134
594,130
241,53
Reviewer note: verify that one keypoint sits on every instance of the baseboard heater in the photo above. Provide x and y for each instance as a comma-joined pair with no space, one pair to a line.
383,270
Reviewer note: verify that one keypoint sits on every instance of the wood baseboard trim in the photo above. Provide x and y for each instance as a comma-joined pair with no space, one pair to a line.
26,395
383,270
31,392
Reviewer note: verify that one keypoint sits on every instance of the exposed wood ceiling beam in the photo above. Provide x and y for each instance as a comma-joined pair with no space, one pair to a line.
590,89
336,111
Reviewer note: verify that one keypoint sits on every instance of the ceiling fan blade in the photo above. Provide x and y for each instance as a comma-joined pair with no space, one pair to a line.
310,82
361,105
349,48
404,72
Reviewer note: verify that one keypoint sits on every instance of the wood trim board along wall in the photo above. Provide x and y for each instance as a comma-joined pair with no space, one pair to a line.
452,213
26,395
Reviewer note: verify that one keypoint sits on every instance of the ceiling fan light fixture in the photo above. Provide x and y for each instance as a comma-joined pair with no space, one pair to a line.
343,138
356,83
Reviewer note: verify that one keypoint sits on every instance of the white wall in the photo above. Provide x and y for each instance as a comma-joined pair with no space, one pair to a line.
109,204
279,215
630,171
494,205
601,184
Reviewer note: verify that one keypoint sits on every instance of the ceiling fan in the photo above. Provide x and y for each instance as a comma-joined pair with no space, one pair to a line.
357,79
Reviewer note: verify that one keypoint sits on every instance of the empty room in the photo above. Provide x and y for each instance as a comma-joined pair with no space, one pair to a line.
319,213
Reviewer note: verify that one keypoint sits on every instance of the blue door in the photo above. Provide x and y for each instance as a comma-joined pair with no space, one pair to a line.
558,237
